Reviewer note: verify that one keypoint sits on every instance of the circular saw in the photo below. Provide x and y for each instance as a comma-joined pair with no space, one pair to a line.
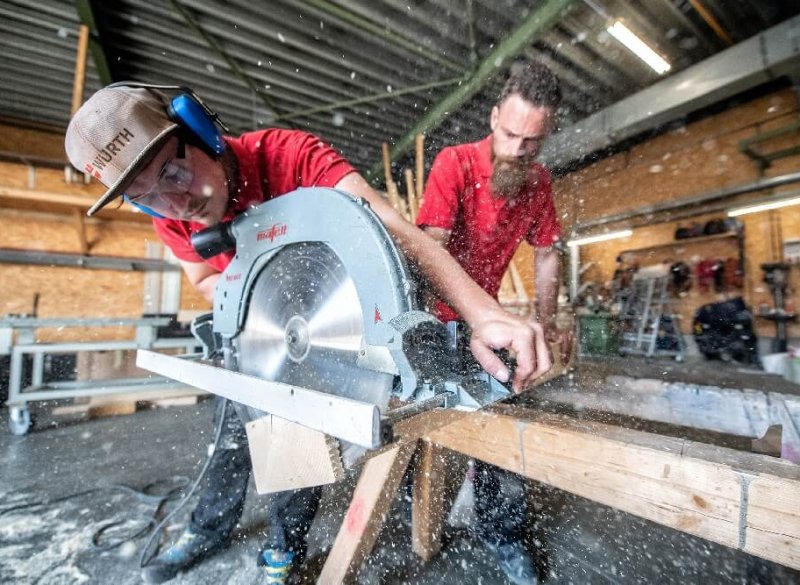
315,321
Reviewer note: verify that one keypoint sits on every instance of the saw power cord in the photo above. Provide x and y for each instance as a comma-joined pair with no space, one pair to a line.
157,493
149,550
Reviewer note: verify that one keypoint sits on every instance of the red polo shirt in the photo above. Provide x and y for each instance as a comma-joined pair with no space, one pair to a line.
485,230
271,163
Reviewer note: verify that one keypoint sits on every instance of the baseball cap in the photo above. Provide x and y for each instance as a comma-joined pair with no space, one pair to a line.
115,133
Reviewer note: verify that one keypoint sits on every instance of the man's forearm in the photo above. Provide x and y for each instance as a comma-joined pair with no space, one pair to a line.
547,270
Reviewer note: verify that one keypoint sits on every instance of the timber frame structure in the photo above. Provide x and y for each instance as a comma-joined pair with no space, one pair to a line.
743,500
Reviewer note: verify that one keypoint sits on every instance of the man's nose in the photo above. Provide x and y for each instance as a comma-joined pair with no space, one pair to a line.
179,202
528,148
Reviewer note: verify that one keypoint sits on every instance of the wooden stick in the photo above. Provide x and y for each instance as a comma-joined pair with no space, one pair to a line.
371,501
420,170
412,198
80,227
519,284
391,186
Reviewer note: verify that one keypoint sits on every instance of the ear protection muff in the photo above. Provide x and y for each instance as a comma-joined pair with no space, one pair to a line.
189,113
192,114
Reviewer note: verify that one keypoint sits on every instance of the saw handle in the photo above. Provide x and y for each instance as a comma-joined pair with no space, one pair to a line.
214,240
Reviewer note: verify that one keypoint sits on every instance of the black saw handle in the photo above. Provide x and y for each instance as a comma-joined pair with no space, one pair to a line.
214,240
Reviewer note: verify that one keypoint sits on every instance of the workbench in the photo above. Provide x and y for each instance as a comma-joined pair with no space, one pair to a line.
744,500
18,339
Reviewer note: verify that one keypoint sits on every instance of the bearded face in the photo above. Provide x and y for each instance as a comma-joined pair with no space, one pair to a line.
518,129
510,175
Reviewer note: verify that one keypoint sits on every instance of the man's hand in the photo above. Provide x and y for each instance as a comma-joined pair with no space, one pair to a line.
503,330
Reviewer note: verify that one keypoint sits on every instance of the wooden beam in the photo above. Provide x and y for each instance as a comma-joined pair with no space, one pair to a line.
52,202
34,196
79,80
742,500
437,477
371,501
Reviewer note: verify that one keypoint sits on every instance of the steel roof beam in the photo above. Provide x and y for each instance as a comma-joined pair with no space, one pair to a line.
539,20
369,26
217,48
97,44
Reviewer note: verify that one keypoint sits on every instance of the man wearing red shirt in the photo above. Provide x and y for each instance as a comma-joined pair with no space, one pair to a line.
481,200
127,137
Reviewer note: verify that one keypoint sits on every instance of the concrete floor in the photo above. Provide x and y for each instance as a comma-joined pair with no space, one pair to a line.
579,542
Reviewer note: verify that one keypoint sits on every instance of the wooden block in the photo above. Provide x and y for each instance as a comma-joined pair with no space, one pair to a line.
98,407
289,456
173,401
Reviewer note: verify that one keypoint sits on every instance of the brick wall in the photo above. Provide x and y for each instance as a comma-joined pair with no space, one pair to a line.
691,160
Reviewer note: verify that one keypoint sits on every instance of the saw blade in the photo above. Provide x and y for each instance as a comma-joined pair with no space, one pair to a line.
305,326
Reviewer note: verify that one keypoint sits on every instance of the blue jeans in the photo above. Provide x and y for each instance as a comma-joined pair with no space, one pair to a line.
500,506
289,513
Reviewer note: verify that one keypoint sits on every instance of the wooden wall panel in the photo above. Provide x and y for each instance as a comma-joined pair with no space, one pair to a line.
77,292
30,142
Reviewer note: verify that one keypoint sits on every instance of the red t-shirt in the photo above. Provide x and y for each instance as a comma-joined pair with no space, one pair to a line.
271,163
485,230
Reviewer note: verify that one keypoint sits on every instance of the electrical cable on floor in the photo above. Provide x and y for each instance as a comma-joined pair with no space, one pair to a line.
175,485
148,550
145,495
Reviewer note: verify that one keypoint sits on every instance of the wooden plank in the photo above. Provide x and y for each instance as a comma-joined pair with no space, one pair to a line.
288,456
437,477
371,501
742,500
82,201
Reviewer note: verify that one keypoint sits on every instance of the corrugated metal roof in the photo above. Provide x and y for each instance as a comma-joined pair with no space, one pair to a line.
346,69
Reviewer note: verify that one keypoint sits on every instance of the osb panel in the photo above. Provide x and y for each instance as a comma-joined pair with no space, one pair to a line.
77,292
523,258
703,156
19,176
32,142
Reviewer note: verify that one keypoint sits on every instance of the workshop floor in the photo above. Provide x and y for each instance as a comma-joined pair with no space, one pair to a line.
51,541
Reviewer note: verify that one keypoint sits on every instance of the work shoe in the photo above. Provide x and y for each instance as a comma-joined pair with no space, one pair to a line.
515,561
190,549
278,565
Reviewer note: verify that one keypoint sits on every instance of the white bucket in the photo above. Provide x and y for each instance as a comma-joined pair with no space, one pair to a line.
777,363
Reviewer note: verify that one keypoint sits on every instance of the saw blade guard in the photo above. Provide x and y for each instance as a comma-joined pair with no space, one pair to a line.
346,226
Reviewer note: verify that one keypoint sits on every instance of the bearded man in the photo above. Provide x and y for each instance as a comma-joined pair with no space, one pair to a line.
481,200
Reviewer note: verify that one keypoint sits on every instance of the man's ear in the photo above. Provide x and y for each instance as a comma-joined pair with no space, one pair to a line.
493,118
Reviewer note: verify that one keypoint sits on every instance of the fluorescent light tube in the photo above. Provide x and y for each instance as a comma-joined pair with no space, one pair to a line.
638,47
777,204
599,238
